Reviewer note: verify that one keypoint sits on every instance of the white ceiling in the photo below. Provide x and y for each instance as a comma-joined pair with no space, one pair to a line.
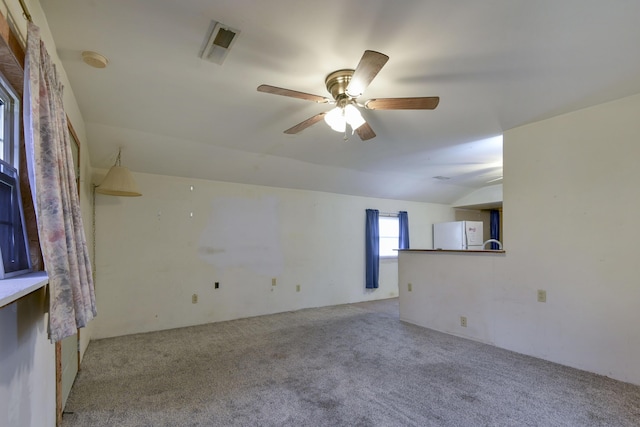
494,64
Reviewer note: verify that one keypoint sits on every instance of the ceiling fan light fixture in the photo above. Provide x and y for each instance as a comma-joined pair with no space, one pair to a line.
339,117
353,117
336,119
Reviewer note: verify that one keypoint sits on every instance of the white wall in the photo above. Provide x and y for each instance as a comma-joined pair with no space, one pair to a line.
484,195
447,285
571,204
27,368
152,255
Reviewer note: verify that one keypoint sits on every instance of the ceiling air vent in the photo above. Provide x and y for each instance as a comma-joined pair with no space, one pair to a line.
218,42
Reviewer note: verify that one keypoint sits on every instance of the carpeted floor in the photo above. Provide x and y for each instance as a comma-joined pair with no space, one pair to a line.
348,365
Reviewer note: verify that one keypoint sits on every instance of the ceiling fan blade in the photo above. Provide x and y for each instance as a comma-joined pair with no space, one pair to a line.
293,94
370,65
420,103
365,132
305,124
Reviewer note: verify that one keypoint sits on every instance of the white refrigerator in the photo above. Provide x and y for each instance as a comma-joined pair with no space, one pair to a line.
460,235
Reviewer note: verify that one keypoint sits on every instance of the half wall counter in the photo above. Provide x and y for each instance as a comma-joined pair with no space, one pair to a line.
449,291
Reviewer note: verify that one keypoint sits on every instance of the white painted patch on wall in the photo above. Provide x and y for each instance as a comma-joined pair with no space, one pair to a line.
243,233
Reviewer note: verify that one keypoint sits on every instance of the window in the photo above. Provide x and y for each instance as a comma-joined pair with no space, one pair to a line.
9,124
13,242
14,248
389,229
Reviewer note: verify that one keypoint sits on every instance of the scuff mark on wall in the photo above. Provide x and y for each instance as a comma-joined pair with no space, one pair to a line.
243,233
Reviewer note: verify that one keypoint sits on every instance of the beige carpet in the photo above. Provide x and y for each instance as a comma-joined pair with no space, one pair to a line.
348,365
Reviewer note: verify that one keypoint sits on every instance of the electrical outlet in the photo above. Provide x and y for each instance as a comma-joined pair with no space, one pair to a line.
273,281
194,299
542,295
409,287
216,285
463,321
297,288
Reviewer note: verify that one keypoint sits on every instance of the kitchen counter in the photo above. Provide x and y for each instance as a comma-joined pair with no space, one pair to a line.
473,251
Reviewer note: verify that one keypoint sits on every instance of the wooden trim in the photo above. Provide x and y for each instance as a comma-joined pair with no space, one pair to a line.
75,140
58,383
11,56
79,350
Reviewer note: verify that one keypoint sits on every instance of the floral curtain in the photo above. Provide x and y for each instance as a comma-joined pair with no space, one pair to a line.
53,189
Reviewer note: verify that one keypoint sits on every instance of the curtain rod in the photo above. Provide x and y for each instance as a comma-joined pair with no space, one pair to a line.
25,11
388,214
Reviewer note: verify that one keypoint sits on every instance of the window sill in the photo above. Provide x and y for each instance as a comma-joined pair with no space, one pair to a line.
14,288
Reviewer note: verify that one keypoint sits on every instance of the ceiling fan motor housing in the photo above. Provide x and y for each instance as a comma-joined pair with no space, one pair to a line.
337,83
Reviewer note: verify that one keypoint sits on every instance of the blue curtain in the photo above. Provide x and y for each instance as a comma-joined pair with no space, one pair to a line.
403,235
495,227
372,249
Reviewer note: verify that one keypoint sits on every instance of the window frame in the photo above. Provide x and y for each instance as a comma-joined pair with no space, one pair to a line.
10,176
10,104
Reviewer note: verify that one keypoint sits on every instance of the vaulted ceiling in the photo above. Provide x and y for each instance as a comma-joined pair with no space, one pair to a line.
494,64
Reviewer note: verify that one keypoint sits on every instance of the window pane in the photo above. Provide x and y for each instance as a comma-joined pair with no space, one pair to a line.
13,242
3,154
387,246
389,229
9,122
388,226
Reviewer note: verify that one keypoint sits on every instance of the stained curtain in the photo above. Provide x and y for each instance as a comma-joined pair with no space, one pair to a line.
494,223
54,193
403,235
372,249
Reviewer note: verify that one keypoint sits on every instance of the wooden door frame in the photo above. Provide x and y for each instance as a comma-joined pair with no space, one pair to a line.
58,344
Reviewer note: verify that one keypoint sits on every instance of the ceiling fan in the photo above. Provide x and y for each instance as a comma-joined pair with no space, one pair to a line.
345,86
